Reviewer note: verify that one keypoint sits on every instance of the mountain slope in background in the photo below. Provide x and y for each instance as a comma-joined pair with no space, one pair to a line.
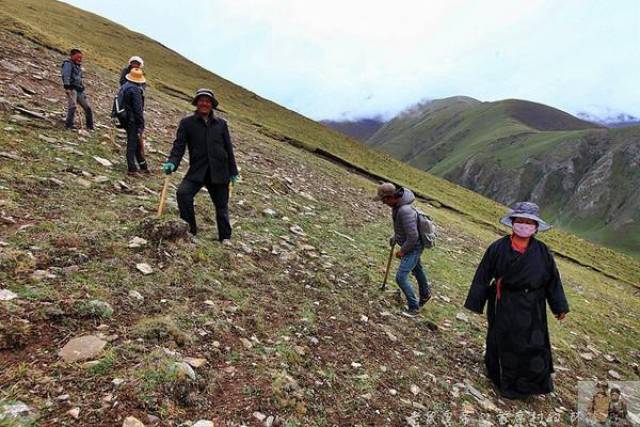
583,175
283,326
360,129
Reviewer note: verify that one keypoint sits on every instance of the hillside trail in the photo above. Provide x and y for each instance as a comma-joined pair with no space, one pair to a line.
285,325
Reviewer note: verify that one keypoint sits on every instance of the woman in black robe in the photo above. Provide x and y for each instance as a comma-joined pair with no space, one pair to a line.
516,278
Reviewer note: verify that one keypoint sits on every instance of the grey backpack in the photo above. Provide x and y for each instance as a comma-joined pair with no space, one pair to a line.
426,229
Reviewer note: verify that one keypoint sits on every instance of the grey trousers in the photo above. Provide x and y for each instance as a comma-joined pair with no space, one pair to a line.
73,99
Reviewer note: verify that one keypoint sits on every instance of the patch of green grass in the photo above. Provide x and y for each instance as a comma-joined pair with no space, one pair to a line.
105,365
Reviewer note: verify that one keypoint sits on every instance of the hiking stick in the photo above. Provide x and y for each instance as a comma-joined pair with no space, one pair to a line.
386,273
163,195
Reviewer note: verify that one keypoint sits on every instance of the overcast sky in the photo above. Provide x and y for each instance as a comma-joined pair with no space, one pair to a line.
347,58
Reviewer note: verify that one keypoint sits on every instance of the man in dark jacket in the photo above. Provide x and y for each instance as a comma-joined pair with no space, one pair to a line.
132,95
211,162
406,234
74,89
134,62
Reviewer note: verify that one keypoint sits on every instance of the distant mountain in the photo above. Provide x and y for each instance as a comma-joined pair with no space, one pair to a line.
584,175
611,119
360,129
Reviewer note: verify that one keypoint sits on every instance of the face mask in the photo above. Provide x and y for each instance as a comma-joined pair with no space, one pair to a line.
524,230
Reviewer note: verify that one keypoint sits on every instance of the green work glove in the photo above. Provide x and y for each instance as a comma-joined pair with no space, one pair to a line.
168,168
235,179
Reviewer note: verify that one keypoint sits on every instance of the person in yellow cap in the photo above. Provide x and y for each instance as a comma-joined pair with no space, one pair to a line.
131,96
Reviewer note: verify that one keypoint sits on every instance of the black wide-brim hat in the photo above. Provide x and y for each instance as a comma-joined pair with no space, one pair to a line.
205,92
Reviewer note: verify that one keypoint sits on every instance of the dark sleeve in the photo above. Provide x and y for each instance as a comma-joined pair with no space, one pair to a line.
66,74
179,145
233,168
554,290
123,76
137,107
485,273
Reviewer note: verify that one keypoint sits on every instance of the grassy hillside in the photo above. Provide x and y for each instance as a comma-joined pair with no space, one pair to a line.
287,321
513,150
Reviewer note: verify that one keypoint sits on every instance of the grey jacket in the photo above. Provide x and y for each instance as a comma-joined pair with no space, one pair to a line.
405,222
72,75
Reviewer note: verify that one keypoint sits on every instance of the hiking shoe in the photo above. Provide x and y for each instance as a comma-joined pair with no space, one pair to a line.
412,312
134,174
145,171
424,300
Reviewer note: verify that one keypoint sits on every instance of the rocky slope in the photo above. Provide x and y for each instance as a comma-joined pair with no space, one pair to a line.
583,176
110,317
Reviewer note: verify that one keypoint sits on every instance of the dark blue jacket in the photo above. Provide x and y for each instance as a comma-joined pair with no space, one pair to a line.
133,103
72,75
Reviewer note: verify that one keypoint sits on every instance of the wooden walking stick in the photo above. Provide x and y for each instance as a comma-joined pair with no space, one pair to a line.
163,196
386,273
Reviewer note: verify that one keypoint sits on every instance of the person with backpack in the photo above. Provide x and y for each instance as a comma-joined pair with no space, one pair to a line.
130,99
406,227
211,162
134,62
72,80
516,279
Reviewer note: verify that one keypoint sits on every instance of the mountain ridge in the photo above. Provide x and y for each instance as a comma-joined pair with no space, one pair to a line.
512,149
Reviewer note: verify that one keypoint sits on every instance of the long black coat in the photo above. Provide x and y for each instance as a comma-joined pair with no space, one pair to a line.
518,354
210,150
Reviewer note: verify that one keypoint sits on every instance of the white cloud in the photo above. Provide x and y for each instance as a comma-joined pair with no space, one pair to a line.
358,58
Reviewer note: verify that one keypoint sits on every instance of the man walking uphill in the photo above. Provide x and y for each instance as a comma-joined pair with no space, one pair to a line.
132,97
211,162
74,89
407,235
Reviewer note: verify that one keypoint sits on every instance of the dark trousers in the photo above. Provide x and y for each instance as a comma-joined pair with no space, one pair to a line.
135,150
219,194
73,98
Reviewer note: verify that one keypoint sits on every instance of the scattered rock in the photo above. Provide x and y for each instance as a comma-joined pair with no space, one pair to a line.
614,374
15,411
296,229
57,182
587,356
415,390
117,381
101,179
82,348
183,369
83,182
7,295
259,416
136,295
47,139
137,242
203,423
40,275
269,212
74,413
195,362
462,317
103,161
144,268
246,343
132,422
